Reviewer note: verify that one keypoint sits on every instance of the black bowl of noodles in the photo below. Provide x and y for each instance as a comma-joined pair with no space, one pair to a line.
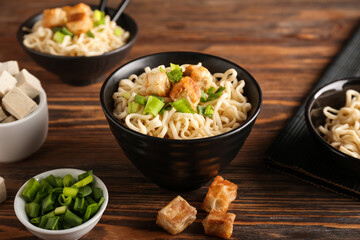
81,70
332,97
180,164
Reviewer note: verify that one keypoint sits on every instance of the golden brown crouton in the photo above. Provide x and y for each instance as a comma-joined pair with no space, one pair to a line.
79,23
54,17
219,224
176,216
79,8
188,89
221,193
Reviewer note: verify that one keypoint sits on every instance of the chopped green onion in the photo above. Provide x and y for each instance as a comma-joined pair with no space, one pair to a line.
51,180
97,15
97,193
209,111
153,106
55,190
85,191
59,37
203,96
35,221
140,99
158,97
52,223
182,106
89,200
90,34
56,29
84,182
127,95
71,218
32,209
31,189
166,107
175,74
118,31
47,204
66,31
162,70
43,221
79,204
101,29
99,18
84,175
132,107
68,180
210,90
65,225
64,201
211,94
70,191
60,210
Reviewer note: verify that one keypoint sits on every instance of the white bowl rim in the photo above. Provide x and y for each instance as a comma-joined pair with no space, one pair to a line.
40,106
34,228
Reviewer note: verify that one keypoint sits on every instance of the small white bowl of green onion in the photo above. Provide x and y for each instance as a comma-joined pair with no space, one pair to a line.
61,204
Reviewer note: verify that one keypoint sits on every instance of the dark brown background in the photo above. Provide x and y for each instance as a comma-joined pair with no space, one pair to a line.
285,45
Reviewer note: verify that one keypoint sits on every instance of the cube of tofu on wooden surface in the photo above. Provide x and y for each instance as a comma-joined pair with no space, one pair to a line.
18,104
176,216
79,23
157,84
79,8
3,194
11,67
28,83
2,114
219,224
200,75
188,89
7,82
9,119
55,17
221,193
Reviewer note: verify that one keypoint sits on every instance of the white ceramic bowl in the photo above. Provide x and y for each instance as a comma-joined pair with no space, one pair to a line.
66,234
21,138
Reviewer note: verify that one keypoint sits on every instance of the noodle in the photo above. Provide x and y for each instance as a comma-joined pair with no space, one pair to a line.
342,127
230,109
41,39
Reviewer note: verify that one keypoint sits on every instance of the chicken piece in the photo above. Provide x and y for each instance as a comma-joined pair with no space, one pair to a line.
79,8
176,216
200,75
157,84
188,89
219,224
221,193
55,17
79,23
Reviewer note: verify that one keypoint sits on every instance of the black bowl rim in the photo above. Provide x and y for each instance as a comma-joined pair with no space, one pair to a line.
247,122
20,32
309,104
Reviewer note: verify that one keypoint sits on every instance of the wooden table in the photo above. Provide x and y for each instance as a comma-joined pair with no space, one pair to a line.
285,45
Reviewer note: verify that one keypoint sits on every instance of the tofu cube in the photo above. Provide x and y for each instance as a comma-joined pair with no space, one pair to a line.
221,193
18,104
2,190
9,119
11,67
2,114
28,83
219,224
7,82
176,216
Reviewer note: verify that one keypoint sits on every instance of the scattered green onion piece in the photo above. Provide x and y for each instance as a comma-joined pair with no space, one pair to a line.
51,180
71,218
85,191
47,204
158,97
64,201
85,174
153,106
90,210
60,210
70,191
162,70
132,107
35,221
52,223
206,111
83,182
118,31
68,180
65,225
43,221
89,200
210,90
56,190
212,95
175,74
90,34
127,95
203,96
32,209
140,100
66,31
101,29
79,204
31,189
59,37
97,193
97,15
182,106
40,196
166,107
56,29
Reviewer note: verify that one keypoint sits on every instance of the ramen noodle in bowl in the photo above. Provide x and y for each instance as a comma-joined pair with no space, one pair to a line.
75,31
181,102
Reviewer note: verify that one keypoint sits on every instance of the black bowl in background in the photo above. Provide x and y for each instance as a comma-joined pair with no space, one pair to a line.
179,164
333,95
81,70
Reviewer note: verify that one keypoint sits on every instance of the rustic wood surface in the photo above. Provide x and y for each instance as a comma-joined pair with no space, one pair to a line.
285,45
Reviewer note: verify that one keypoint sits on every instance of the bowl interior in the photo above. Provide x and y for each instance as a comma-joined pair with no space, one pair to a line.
19,203
333,95
214,64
